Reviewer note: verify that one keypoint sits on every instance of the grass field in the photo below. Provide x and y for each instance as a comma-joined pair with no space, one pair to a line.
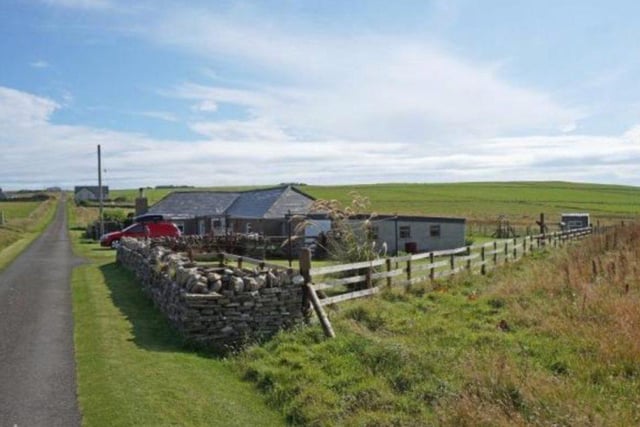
133,369
480,203
24,222
551,340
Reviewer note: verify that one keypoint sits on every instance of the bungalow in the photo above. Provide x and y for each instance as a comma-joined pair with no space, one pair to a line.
266,211
418,233
269,211
92,193
402,232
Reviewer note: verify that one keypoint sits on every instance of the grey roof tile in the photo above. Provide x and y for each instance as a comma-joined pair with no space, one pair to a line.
194,203
266,203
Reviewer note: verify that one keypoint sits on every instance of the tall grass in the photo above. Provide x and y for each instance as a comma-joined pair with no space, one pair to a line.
551,340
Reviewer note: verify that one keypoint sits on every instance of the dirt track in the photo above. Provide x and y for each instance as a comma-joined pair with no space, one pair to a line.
37,367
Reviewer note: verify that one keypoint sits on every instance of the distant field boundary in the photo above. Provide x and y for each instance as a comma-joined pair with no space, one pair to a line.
357,280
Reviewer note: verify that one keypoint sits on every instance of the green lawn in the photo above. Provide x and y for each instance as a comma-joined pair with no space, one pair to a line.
24,222
133,369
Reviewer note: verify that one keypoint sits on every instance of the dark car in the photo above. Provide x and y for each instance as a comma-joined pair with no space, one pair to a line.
141,230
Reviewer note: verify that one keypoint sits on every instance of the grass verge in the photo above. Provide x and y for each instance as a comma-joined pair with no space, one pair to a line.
26,221
133,369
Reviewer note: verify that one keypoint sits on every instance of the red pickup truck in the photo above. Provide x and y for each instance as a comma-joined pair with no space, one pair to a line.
141,230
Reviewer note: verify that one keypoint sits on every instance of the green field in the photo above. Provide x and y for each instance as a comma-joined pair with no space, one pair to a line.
480,203
24,221
522,201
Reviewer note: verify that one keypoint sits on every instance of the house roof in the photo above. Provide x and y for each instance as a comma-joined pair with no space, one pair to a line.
191,204
92,188
270,203
254,204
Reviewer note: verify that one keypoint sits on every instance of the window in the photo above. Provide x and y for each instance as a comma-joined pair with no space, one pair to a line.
249,228
136,228
405,232
216,223
434,230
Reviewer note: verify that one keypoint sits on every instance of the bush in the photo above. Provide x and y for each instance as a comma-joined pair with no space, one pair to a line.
117,215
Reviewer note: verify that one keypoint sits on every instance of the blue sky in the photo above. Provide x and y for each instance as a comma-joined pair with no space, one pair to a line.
324,92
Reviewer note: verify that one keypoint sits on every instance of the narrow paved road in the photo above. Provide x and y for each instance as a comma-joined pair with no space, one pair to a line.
37,366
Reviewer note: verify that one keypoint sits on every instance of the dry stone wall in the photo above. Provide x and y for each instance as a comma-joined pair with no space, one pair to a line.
214,305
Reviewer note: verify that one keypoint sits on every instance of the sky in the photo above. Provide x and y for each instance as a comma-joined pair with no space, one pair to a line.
213,93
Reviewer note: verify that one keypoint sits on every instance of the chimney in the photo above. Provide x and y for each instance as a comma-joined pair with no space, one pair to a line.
142,204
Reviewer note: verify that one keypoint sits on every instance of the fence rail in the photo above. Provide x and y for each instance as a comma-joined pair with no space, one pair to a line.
344,282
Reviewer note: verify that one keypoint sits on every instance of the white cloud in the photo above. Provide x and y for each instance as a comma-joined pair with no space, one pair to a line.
236,130
206,106
37,152
365,108
39,64
21,109
360,87
159,115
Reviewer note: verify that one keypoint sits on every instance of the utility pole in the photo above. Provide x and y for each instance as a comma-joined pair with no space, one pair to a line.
100,197
288,216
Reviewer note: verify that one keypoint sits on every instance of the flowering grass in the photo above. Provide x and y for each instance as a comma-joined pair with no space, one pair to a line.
551,340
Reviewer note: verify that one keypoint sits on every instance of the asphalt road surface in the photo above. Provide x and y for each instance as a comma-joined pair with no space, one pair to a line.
37,366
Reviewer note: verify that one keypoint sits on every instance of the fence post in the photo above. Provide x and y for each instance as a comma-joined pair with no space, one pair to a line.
506,251
432,271
409,270
483,267
388,264
305,269
495,253
452,261
468,259
221,259
515,249
240,263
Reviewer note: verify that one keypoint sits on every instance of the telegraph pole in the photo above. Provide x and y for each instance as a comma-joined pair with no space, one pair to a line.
100,197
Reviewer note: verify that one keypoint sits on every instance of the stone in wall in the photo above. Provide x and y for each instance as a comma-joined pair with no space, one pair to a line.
218,306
